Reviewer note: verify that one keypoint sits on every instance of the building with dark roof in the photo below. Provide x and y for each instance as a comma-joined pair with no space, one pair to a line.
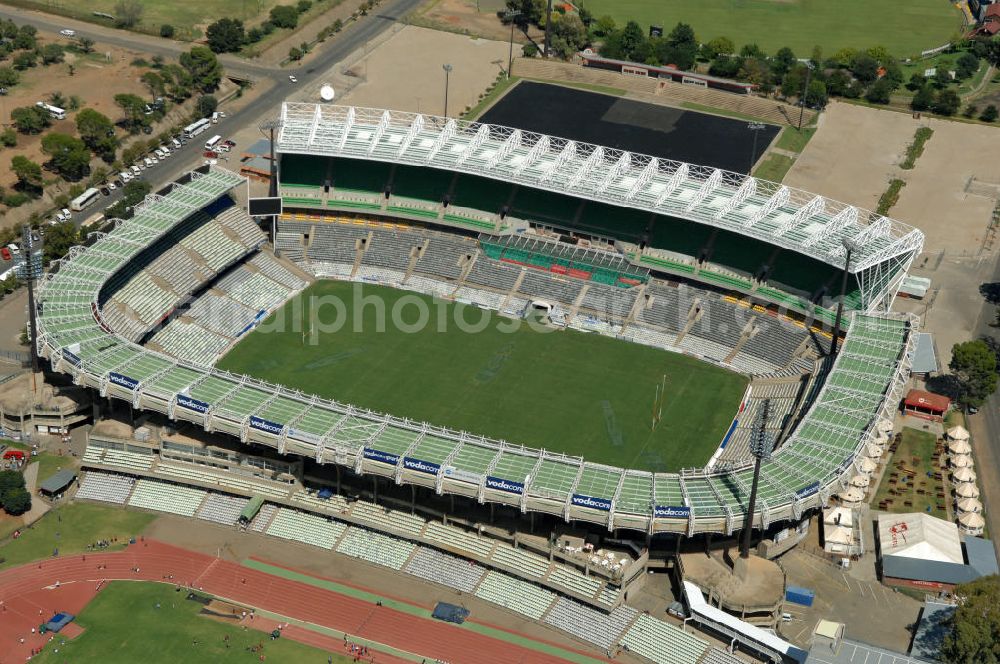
931,630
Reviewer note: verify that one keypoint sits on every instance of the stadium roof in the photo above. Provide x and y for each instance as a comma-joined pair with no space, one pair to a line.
797,220
862,387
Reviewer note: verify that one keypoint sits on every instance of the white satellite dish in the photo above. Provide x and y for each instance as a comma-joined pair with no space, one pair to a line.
326,93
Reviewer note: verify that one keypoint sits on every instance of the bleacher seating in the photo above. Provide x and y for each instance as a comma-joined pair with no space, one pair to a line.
519,596
164,497
457,573
306,528
574,581
524,562
388,519
602,629
375,547
662,642
719,656
222,315
264,517
333,504
130,460
223,480
213,244
191,342
269,266
106,487
457,540
221,508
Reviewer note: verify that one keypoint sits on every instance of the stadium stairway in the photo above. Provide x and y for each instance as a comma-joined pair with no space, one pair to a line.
657,91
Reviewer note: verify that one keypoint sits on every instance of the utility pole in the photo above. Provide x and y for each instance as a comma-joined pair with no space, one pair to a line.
511,15
805,93
447,73
754,127
29,268
548,25
267,128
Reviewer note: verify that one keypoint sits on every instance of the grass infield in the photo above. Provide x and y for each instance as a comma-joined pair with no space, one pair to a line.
905,29
123,624
565,391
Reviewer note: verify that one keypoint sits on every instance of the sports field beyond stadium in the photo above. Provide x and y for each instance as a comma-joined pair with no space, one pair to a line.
562,390
904,28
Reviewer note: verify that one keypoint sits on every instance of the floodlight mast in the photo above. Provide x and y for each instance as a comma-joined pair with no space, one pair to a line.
267,128
849,247
761,446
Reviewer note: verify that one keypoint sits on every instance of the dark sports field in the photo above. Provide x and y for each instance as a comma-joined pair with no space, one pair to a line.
670,133
567,391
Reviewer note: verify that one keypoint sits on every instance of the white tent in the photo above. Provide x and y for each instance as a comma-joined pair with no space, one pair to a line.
972,523
885,426
919,535
967,490
860,481
838,535
964,475
866,465
961,461
970,505
852,495
839,516
873,451
958,433
960,447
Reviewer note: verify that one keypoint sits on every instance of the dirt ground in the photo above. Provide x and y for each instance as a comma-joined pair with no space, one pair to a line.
857,150
219,540
375,77
474,17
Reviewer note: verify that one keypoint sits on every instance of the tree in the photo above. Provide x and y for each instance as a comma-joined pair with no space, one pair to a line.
8,77
970,111
816,96
782,61
203,67
51,54
917,81
133,193
864,67
167,31
837,82
947,103
531,10
133,107
794,81
27,172
206,105
70,156
568,35
8,137
86,44
25,60
226,35
604,26
17,501
285,16
25,39
59,239
10,479
880,92
923,100
127,13
97,132
973,631
974,367
303,6
30,119
989,114
154,83
966,65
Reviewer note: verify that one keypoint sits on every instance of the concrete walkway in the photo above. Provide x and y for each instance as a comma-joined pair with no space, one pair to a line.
38,506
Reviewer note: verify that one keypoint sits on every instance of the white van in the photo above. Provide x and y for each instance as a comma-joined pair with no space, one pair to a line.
149,162
125,176
215,118
176,143
136,171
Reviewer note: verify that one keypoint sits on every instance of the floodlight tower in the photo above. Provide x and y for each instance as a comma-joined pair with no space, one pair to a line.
761,445
267,128
29,268
849,248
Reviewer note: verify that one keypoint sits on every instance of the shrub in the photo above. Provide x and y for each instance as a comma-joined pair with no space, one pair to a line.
167,31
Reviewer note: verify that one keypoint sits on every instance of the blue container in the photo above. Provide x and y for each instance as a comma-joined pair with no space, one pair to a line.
803,596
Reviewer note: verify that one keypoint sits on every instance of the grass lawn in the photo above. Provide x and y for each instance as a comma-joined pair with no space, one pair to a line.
189,17
795,140
122,624
915,453
566,391
774,167
905,29
70,529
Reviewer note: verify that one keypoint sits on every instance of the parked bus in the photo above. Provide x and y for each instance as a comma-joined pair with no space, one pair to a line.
212,142
54,111
196,128
85,199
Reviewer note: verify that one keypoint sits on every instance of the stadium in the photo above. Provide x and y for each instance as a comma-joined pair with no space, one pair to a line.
620,253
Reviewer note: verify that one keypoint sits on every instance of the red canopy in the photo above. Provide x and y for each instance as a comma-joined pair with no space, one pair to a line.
927,401
13,454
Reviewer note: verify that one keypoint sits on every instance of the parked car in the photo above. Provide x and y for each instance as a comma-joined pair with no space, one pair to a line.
64,214
66,32
13,248
5,254
135,171
292,79
113,185
149,162
105,191
211,154
230,142
176,142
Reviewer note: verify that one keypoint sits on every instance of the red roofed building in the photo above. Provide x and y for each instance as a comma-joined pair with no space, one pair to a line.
990,25
927,405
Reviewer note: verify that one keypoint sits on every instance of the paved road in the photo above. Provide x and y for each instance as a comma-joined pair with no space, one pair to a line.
270,88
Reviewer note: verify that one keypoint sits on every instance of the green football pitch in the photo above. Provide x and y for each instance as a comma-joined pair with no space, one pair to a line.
904,28
131,622
562,390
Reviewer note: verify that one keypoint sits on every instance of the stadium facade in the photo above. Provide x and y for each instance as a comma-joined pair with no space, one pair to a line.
860,389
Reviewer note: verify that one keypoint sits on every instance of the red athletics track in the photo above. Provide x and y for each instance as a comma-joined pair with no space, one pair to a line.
28,595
